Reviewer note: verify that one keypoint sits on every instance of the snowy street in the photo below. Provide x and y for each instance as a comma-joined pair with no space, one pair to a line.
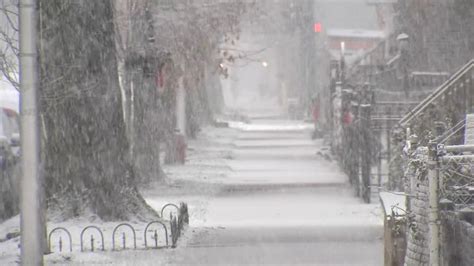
236,132
277,203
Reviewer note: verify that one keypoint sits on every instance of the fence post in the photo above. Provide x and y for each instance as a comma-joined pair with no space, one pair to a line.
337,116
433,211
410,186
359,152
346,132
354,152
389,135
365,150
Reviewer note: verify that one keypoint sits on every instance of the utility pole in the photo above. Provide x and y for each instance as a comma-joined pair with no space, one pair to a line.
31,228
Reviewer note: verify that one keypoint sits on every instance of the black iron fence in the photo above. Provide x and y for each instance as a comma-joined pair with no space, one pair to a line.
124,235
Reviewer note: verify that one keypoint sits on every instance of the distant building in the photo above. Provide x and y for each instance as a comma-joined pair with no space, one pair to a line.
356,42
360,24
347,14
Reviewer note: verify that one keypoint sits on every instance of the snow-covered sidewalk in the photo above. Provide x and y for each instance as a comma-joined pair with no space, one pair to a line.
243,183
277,201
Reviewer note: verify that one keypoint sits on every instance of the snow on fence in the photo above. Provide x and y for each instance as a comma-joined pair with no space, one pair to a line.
440,178
92,236
456,174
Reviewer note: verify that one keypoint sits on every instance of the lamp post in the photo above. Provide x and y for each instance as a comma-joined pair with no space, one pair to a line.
342,70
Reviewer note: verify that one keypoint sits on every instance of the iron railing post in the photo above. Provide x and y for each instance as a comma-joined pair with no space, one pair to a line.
433,211
365,150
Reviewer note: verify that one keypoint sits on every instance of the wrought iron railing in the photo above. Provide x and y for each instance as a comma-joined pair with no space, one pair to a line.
360,69
453,98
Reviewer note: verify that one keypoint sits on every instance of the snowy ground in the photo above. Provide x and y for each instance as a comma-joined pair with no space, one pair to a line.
257,194
261,195
205,161
9,250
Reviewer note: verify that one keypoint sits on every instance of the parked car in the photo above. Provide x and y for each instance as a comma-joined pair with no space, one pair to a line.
9,122
9,153
9,134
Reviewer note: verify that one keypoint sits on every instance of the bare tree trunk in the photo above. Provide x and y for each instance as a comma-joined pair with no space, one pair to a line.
87,162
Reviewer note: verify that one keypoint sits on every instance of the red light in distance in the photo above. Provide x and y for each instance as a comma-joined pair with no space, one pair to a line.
317,27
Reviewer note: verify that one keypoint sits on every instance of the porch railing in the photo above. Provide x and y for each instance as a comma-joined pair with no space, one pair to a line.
454,93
